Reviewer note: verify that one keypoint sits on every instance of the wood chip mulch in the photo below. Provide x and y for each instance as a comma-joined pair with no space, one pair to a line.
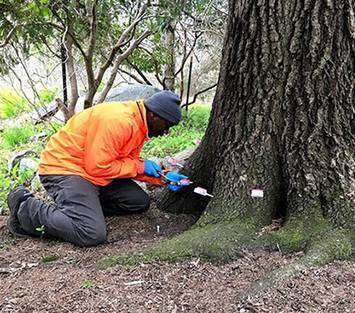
70,281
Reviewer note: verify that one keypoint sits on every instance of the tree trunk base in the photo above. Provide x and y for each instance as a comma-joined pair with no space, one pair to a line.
219,242
225,241
334,244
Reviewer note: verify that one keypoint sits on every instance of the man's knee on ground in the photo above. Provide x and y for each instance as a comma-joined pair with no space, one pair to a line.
144,201
140,203
91,236
137,202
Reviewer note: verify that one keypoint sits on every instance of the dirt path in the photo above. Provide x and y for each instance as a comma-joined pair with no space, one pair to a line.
73,283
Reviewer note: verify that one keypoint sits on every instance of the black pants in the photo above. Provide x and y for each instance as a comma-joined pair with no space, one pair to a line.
78,216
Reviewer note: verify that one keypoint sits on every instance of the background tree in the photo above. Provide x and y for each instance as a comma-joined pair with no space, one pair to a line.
282,121
97,34
182,30
90,34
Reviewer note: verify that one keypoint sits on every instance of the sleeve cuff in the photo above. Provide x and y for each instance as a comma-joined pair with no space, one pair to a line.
140,168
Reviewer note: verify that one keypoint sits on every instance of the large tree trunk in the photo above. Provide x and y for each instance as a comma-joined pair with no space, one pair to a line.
282,121
283,115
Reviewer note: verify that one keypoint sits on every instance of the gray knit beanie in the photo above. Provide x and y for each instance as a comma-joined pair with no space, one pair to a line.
165,104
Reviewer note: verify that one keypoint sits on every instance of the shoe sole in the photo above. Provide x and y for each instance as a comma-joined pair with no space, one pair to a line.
11,229
11,221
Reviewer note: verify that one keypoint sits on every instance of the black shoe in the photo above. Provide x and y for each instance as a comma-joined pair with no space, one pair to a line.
14,199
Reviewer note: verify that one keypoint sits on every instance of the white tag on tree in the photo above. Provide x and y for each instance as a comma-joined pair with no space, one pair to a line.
257,193
202,192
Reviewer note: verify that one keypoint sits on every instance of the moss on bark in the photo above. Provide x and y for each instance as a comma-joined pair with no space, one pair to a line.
325,245
223,241
215,242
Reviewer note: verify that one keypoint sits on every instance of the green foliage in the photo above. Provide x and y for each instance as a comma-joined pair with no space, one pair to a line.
18,138
182,136
49,258
197,117
88,284
11,104
18,135
5,182
219,242
22,177
148,62
41,229
46,95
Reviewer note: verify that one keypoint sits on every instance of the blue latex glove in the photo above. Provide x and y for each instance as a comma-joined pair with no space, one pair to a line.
151,168
174,187
175,178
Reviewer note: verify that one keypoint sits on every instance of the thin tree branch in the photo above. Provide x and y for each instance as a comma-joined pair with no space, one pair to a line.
63,28
27,73
35,108
131,27
188,54
74,94
118,62
8,37
140,73
45,42
182,68
136,78
91,8
197,94
156,67
158,78
121,41
21,88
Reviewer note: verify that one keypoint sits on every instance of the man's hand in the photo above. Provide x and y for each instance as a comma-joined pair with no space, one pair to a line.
176,178
151,168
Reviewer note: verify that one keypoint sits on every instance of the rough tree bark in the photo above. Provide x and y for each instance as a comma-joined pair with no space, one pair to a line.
74,93
169,69
282,121
283,115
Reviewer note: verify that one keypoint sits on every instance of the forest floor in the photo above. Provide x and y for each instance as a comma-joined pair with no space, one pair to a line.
50,276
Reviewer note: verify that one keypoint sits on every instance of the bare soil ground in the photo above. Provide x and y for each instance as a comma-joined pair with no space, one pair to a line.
72,282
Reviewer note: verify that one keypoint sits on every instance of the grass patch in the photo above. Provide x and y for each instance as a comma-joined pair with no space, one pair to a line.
49,258
11,104
87,284
18,135
16,138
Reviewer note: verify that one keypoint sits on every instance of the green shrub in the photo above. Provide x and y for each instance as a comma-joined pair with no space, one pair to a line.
196,118
18,135
11,104
46,96
49,128
23,177
182,136
5,184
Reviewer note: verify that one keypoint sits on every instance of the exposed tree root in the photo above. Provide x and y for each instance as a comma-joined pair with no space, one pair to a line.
326,247
224,241
216,242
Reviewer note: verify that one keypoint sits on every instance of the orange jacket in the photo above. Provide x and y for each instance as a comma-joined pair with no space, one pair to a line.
99,144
